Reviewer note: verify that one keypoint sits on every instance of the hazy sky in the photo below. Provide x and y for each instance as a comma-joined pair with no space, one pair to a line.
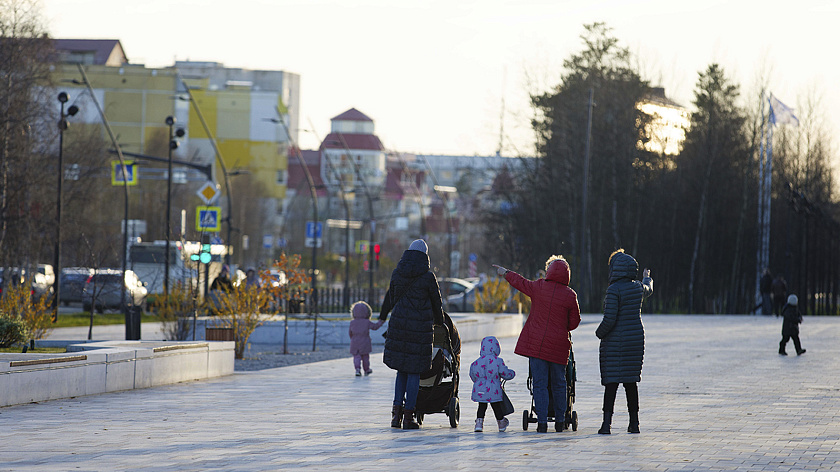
433,74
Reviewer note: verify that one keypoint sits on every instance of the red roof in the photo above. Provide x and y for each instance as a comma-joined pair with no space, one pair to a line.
362,142
297,177
351,115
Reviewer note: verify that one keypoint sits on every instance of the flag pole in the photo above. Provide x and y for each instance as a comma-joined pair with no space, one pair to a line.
760,239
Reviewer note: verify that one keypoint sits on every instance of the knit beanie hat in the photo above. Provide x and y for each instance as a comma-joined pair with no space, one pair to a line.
793,300
419,245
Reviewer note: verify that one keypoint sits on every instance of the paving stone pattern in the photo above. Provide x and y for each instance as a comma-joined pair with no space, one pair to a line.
715,395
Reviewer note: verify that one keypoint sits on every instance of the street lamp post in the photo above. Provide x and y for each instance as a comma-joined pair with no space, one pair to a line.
63,98
170,121
313,305
173,144
219,158
132,323
443,192
371,216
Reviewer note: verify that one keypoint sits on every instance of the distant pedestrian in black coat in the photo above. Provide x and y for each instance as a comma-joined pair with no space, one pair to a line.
414,297
622,336
790,326
779,294
765,288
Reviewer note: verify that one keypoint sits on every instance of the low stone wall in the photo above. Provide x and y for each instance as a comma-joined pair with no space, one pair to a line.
90,368
331,330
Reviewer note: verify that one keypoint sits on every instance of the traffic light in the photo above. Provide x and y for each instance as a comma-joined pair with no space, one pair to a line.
204,256
376,253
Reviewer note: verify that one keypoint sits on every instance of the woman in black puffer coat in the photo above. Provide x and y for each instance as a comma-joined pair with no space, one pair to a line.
622,336
414,297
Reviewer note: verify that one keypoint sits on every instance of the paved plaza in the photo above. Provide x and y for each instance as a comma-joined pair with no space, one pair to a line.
715,395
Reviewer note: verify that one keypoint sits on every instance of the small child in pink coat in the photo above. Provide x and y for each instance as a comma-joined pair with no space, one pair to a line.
487,373
360,328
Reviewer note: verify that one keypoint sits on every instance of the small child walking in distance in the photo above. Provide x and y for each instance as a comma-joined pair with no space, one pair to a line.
487,373
360,345
790,325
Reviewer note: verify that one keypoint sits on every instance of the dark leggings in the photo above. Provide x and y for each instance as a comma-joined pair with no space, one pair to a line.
632,391
497,409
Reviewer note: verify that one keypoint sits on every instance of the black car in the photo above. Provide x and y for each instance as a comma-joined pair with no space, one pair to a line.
73,280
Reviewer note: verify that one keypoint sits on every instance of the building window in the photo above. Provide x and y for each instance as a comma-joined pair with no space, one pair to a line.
282,177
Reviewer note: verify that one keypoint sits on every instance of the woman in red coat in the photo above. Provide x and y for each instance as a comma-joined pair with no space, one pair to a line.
545,337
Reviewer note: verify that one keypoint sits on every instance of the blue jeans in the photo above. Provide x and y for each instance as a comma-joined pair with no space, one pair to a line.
540,371
406,387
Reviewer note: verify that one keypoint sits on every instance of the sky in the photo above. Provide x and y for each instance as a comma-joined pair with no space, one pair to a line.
453,76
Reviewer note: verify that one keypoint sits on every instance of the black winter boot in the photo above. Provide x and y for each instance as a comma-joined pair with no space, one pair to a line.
634,423
408,420
396,416
605,426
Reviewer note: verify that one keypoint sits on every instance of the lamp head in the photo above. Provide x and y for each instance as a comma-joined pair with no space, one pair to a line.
180,132
72,110
63,97
170,120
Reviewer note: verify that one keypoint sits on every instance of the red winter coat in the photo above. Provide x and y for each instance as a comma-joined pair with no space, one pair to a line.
554,312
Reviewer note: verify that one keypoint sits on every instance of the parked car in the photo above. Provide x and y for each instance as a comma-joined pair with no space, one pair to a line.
458,294
73,280
40,284
105,286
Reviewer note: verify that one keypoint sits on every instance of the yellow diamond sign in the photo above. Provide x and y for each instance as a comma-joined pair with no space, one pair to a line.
208,192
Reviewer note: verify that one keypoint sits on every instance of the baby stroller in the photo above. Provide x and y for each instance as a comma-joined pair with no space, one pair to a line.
439,385
571,416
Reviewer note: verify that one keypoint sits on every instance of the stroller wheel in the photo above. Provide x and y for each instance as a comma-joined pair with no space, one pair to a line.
574,421
454,412
525,420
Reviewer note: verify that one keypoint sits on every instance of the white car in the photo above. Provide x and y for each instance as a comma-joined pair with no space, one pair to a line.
458,294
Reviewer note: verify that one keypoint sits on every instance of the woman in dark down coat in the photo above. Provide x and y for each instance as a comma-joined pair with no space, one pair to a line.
414,297
622,336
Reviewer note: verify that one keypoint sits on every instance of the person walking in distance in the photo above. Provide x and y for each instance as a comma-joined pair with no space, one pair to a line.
779,294
622,336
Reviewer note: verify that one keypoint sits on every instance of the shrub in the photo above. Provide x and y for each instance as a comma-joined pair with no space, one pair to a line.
245,308
493,296
175,315
12,331
36,313
241,310
498,296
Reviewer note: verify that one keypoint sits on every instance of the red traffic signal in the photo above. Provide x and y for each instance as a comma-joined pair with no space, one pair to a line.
376,251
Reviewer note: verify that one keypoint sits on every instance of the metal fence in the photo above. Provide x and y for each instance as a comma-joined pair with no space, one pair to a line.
333,300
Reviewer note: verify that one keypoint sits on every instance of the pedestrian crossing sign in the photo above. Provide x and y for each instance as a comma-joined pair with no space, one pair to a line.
123,174
208,218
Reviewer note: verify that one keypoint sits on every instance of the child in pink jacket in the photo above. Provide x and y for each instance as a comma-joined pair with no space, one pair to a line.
360,328
486,373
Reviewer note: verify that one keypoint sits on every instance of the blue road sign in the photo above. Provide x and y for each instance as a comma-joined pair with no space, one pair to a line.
123,175
208,219
313,230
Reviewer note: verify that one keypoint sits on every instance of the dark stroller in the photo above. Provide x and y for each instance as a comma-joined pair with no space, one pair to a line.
439,385
571,417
